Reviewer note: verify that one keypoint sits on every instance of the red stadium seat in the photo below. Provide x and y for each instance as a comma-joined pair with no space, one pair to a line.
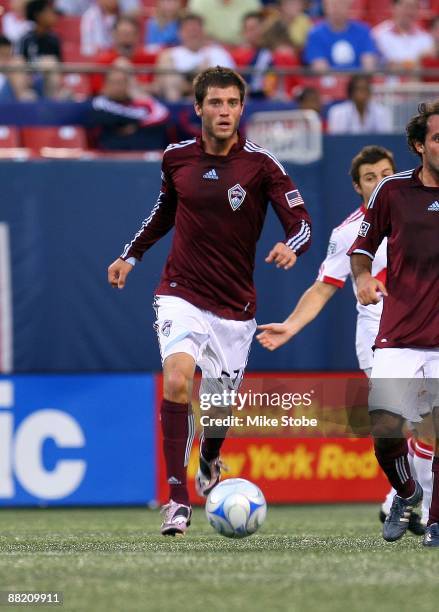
10,144
68,29
9,136
66,141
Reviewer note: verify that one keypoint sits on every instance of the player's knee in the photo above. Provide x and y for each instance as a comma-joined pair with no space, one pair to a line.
176,386
386,426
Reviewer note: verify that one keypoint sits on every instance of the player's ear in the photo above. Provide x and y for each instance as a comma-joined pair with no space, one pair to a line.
357,188
197,108
419,147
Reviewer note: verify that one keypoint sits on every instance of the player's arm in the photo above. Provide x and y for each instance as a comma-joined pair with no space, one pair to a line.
332,276
155,226
308,307
374,228
291,212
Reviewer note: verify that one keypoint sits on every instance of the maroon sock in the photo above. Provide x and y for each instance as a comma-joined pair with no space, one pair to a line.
178,433
434,507
210,447
394,463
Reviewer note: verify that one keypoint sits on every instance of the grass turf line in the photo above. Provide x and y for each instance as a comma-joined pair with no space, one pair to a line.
304,559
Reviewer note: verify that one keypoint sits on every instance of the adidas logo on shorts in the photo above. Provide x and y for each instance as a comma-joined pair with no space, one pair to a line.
434,207
212,175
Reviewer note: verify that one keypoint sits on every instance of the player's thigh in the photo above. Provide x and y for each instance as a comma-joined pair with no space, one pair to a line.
397,383
226,354
431,371
180,327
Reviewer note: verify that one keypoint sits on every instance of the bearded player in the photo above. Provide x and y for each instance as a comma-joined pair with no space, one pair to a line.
405,209
368,168
215,192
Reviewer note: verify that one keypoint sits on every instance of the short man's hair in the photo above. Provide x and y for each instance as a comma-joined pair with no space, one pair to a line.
253,15
355,80
370,155
217,77
127,19
417,126
35,7
191,17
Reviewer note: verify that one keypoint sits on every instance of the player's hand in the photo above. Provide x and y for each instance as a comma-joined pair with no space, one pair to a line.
282,256
118,272
369,289
274,335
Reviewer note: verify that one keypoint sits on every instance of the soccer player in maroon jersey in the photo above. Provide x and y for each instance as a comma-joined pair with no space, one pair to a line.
405,209
215,192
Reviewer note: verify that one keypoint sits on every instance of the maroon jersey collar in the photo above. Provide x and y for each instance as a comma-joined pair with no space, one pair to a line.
236,147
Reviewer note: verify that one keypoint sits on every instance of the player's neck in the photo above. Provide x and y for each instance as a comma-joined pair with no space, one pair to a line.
428,177
213,146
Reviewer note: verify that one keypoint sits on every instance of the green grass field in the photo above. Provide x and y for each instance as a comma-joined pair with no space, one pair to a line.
305,559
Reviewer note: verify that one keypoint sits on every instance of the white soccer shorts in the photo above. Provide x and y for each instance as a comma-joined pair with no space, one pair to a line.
405,381
220,347
366,332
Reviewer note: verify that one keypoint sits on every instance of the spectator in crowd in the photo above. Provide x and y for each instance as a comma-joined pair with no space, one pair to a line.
432,61
126,45
338,42
41,40
401,41
97,25
14,22
14,86
360,114
125,122
254,55
309,98
162,29
78,7
194,54
42,48
292,13
223,18
277,39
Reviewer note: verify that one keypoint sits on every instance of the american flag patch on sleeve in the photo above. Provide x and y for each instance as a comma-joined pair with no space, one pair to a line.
294,198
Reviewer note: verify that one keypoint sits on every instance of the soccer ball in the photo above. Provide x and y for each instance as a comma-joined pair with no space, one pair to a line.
236,508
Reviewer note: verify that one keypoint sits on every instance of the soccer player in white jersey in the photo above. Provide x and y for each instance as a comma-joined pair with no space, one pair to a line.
368,168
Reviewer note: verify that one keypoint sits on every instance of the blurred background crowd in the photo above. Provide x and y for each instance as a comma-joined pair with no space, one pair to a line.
134,59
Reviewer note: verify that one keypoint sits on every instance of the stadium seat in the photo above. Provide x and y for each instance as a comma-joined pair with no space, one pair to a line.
66,141
10,144
9,136
68,29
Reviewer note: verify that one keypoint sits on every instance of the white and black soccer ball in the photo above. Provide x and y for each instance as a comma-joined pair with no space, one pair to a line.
236,508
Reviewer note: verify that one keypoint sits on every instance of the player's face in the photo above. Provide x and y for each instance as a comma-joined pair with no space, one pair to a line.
430,148
370,176
220,112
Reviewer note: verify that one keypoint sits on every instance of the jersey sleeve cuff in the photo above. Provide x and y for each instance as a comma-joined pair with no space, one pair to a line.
329,280
131,260
361,252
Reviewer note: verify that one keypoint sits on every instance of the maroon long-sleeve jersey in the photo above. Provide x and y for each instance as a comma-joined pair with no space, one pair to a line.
407,212
218,205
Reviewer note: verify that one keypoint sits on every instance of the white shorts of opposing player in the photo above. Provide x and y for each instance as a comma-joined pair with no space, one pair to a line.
220,347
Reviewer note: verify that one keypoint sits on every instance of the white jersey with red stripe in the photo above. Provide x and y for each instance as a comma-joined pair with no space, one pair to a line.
336,268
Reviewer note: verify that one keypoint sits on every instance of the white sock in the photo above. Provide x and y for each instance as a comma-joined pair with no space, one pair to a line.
422,462
385,506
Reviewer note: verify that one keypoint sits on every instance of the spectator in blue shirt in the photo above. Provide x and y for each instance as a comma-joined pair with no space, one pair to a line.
162,29
338,42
